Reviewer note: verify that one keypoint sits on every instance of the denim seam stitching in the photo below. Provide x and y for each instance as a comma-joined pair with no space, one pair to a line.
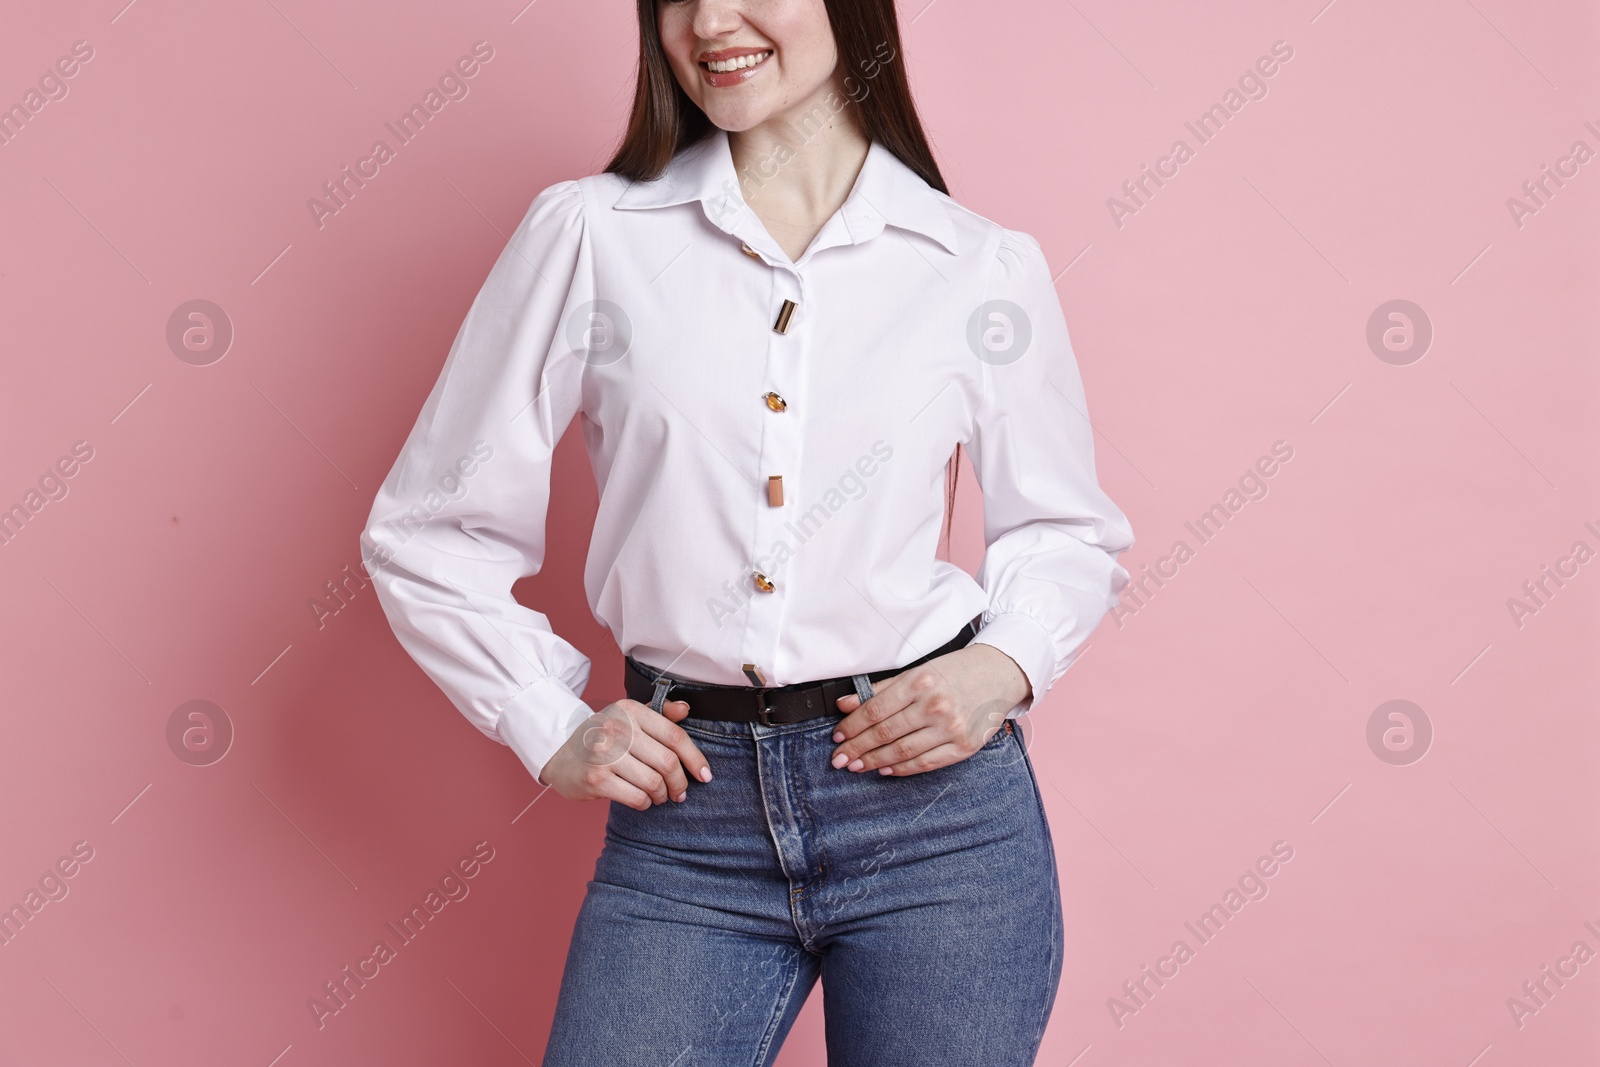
1057,923
780,1006
813,883
799,893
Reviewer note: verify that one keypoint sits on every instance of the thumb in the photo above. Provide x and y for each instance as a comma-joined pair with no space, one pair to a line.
676,710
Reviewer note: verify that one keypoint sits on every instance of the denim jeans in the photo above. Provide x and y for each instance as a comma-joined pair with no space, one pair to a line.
927,904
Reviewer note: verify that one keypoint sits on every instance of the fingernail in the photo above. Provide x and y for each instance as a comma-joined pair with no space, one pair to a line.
856,764
838,736
840,760
885,770
681,797
705,774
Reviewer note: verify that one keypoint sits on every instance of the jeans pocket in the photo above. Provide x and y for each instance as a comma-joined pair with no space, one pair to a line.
997,751
999,738
1005,749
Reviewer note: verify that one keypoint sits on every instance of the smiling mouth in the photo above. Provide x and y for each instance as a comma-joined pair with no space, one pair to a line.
738,63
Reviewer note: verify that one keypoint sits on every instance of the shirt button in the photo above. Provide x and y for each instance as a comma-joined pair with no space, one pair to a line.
763,583
785,314
747,250
774,401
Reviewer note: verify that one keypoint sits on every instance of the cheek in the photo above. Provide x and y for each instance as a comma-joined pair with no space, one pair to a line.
804,36
820,55
677,37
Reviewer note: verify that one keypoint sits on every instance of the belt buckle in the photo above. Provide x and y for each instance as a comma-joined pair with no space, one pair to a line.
763,713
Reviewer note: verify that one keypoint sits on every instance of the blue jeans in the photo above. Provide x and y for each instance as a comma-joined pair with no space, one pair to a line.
927,904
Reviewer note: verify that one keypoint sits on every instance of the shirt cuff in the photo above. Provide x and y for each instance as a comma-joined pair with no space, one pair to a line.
537,721
1025,640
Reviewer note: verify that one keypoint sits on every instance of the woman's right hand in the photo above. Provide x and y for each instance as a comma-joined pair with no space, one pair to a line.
627,753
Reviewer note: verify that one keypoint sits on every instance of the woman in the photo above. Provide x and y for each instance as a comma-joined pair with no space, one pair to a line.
777,329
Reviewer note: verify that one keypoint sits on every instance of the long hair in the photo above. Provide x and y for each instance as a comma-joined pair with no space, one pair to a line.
664,121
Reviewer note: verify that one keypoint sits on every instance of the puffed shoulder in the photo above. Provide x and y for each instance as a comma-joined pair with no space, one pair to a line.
1019,272
544,252
557,210
1019,257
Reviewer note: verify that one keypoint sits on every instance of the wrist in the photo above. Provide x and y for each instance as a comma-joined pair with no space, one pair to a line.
1014,686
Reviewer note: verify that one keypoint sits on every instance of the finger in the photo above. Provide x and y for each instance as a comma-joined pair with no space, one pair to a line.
890,696
605,737
903,749
663,761
850,702
678,740
635,771
934,758
888,732
623,792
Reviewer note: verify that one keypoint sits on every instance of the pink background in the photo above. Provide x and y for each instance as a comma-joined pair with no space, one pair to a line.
1230,712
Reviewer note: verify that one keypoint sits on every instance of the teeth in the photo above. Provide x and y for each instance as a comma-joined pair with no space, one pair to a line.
725,65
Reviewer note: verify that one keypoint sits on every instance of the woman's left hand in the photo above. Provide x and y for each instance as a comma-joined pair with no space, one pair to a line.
932,715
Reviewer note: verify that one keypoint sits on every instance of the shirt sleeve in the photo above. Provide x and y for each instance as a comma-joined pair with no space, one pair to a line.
461,515
1051,534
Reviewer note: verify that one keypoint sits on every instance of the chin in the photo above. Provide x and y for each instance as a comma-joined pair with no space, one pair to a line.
737,119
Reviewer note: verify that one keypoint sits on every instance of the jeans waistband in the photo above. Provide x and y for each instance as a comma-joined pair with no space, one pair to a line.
861,682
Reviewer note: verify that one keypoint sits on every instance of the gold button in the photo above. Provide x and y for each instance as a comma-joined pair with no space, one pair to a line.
774,401
775,490
763,583
784,315
747,250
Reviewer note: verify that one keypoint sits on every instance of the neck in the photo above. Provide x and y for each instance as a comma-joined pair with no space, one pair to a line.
807,157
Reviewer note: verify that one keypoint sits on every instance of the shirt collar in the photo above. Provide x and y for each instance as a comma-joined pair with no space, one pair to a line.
885,192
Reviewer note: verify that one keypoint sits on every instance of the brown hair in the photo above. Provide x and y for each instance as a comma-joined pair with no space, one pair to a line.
664,120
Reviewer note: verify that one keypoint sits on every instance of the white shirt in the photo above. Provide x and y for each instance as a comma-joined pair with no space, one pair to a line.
893,353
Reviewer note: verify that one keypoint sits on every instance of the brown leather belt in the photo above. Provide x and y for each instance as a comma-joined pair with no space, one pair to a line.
768,705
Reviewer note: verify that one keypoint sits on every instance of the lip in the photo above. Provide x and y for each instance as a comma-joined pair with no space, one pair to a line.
723,79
